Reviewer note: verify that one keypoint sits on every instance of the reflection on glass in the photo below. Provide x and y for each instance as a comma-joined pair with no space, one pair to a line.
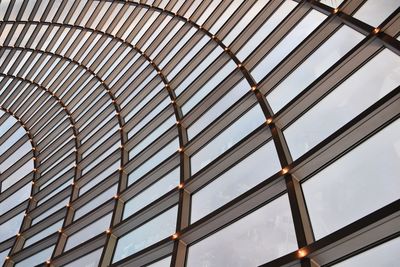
161,187
259,237
226,139
240,178
356,184
149,233
294,38
323,58
370,83
385,255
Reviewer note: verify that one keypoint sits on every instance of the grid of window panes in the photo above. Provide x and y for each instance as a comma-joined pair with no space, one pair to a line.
199,133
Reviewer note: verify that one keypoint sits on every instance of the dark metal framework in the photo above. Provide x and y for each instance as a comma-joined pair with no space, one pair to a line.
74,100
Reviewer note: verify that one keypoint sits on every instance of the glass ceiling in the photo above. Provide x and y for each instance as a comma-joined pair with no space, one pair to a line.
199,133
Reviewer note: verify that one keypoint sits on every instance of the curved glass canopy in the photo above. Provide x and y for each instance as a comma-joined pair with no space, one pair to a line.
199,133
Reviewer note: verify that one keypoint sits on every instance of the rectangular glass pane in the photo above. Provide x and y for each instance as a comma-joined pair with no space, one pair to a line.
90,260
161,187
97,201
259,237
44,233
149,233
153,161
356,184
249,172
294,38
266,29
208,86
37,258
386,254
324,57
93,229
226,139
366,86
162,263
375,12
11,227
216,110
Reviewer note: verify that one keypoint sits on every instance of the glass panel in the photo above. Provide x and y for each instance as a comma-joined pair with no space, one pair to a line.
332,3
149,117
17,175
162,263
226,139
153,92
153,161
149,233
370,83
244,21
15,199
102,157
93,229
375,12
356,184
386,254
11,227
37,258
208,86
223,18
221,106
167,39
55,191
103,175
186,59
158,189
293,39
167,124
259,237
90,260
323,58
211,7
12,139
44,233
249,172
198,70
156,32
96,202
50,211
181,43
266,29
14,157
3,255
